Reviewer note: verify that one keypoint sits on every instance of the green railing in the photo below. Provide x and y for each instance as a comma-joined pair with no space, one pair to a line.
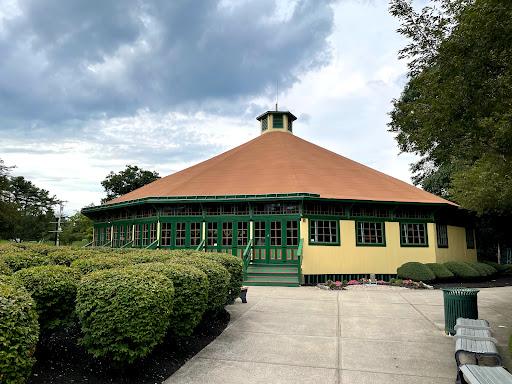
153,245
109,244
246,258
128,245
200,247
88,245
299,261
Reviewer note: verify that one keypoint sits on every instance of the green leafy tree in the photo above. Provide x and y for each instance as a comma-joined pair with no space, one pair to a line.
76,228
9,215
130,179
456,109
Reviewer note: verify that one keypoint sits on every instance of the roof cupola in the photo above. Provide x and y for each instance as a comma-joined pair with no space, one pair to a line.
276,121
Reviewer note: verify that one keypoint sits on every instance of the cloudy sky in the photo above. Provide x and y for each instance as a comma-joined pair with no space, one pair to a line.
88,87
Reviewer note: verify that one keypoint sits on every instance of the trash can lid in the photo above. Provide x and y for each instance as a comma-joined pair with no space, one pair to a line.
462,291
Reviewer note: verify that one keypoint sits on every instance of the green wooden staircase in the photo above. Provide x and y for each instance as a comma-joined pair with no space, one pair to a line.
275,275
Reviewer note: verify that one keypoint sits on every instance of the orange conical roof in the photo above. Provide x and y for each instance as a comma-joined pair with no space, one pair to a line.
279,162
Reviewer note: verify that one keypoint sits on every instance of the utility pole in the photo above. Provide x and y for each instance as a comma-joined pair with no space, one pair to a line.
57,223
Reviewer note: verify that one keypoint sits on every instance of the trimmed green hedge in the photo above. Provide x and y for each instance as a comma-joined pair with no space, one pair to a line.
19,331
53,288
441,272
98,263
482,271
21,260
124,312
218,280
499,267
147,256
490,269
4,269
461,269
235,267
415,271
67,256
190,295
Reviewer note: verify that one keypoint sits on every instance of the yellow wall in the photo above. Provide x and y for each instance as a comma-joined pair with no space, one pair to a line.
457,250
347,258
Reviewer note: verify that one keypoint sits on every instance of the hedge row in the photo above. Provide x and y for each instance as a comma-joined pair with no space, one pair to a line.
126,301
449,270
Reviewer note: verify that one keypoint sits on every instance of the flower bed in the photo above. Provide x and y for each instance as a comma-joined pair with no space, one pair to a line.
340,285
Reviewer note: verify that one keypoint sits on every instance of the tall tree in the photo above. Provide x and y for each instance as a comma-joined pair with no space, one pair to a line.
456,109
9,215
130,179
35,208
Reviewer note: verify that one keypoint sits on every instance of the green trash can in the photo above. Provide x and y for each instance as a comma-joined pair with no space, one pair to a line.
459,302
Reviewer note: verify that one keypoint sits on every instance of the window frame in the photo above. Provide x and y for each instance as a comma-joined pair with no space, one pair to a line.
362,244
336,243
402,244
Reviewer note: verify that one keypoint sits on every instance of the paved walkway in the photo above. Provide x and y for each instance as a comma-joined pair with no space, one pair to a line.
308,335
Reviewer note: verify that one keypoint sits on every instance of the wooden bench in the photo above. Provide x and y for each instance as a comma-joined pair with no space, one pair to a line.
481,374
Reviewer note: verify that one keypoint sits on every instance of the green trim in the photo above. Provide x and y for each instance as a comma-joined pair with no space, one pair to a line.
200,247
383,244
153,245
333,244
407,245
128,245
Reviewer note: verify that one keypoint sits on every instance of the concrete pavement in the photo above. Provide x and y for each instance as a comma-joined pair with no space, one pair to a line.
308,335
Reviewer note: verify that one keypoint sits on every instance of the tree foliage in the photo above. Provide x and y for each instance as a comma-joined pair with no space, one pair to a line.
76,228
130,179
456,109
25,210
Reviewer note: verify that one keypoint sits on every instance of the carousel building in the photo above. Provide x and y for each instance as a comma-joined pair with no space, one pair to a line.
294,211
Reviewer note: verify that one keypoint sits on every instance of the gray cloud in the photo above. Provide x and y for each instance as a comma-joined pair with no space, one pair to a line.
84,59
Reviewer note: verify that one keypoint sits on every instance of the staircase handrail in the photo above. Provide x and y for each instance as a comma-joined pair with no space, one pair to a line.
109,244
299,261
200,247
246,258
153,245
128,245
87,245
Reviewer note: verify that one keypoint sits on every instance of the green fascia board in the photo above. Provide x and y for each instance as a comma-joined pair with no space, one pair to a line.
301,196
200,199
288,113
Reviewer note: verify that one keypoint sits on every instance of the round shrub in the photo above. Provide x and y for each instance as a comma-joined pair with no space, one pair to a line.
19,331
218,280
441,272
98,263
53,288
499,267
124,312
147,256
235,267
21,260
482,272
415,271
190,295
67,256
461,270
490,270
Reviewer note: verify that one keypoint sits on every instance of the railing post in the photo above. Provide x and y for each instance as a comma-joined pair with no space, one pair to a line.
299,260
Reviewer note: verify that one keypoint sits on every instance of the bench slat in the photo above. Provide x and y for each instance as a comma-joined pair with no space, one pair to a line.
481,374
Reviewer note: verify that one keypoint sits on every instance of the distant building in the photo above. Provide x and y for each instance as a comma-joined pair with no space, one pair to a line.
280,195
